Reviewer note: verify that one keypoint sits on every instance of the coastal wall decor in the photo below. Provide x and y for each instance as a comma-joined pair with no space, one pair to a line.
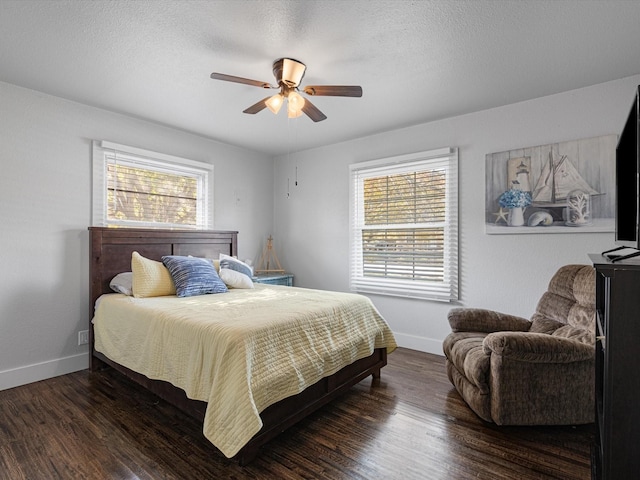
566,187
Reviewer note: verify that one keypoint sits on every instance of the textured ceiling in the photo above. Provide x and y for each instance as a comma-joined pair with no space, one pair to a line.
417,61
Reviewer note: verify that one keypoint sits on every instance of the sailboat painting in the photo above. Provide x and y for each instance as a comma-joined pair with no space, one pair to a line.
566,185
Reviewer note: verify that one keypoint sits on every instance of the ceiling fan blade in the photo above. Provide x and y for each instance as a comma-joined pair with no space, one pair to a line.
257,107
246,81
334,90
312,111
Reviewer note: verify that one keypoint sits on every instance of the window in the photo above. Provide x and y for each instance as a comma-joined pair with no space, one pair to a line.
404,232
138,188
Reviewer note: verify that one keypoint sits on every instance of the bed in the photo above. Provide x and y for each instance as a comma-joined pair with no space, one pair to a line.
111,251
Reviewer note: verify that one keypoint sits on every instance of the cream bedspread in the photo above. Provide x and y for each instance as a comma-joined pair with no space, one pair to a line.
239,351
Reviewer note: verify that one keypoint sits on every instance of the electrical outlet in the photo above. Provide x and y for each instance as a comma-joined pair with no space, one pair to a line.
83,337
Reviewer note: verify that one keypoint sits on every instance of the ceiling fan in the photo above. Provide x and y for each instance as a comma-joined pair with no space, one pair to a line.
289,73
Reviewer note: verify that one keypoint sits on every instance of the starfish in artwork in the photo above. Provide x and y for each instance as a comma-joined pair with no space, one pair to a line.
501,215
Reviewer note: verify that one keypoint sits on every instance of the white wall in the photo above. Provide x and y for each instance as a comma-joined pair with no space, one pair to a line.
502,272
45,209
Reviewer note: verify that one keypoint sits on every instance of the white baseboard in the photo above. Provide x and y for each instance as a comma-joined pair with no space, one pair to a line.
422,344
41,371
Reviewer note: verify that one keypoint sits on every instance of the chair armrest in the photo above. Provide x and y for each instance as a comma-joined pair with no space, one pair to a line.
487,321
537,347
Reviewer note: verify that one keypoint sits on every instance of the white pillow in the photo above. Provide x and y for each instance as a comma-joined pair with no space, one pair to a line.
235,279
122,283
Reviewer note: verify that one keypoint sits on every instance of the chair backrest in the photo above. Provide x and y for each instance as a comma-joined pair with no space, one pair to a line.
570,300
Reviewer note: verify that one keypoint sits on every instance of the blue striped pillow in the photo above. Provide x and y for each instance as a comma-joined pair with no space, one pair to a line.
193,276
234,264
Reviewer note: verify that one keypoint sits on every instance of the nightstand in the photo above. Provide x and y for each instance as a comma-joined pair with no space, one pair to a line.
274,279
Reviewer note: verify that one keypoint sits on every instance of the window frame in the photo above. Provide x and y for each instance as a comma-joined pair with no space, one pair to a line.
104,153
447,289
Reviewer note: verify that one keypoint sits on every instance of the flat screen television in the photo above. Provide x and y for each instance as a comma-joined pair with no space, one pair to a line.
627,212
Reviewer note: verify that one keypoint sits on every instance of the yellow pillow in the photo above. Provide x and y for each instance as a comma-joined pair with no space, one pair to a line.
150,278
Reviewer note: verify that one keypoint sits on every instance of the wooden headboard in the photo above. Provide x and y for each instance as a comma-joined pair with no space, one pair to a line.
111,250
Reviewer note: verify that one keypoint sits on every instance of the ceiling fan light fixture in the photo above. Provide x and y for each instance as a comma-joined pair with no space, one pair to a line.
291,113
295,102
292,71
275,103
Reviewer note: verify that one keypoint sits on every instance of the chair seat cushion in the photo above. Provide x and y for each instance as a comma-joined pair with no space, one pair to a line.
464,350
540,324
579,334
554,328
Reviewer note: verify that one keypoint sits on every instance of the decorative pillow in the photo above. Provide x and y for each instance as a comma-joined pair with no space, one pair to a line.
214,261
122,283
234,264
150,278
193,275
235,279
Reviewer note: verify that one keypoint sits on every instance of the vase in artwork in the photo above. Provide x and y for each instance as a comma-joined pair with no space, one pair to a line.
516,217
516,201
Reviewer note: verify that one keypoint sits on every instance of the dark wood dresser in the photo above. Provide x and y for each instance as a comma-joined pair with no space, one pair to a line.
616,450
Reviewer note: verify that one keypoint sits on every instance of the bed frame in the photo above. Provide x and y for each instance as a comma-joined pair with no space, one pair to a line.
111,250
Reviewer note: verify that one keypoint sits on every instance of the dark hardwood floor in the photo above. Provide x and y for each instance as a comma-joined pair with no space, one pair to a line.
411,424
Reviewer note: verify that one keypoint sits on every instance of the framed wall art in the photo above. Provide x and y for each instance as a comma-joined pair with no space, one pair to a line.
566,187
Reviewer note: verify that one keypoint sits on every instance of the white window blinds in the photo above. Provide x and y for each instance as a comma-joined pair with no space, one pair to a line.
404,233
135,187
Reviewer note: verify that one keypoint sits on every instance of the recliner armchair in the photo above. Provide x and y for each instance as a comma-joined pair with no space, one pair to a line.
514,371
